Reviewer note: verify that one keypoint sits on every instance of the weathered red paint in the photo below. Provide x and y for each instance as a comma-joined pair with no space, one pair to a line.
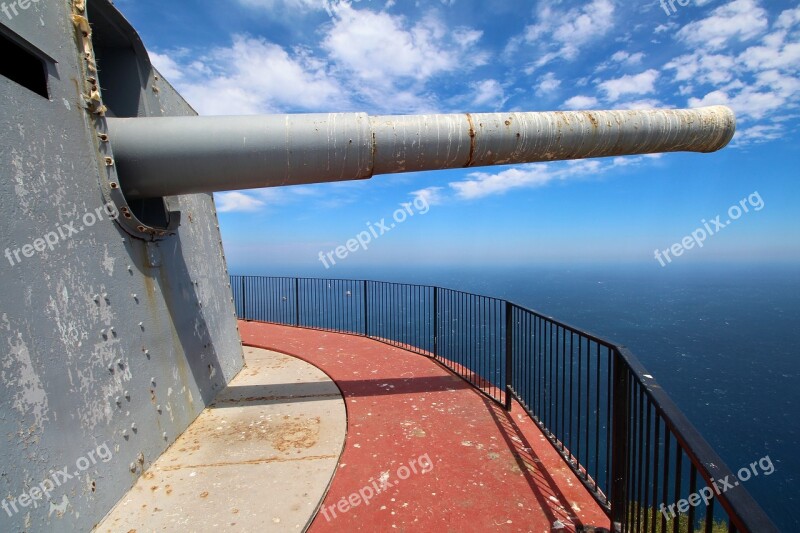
491,470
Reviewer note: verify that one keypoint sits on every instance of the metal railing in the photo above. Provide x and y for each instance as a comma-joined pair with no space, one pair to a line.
619,432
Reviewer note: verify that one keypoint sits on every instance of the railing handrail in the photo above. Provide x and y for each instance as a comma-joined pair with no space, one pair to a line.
699,450
565,325
743,511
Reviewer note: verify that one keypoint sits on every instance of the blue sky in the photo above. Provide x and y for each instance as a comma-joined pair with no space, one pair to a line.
395,57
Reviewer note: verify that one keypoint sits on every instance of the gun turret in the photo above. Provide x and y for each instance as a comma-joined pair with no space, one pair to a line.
164,156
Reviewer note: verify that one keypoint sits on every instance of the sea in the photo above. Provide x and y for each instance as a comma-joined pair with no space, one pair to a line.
723,340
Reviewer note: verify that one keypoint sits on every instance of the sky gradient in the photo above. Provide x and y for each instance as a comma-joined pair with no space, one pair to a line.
277,56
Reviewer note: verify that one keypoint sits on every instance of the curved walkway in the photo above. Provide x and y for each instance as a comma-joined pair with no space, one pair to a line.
426,452
259,458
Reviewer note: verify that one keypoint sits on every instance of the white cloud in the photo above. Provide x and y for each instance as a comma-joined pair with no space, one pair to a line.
662,28
627,58
388,61
788,18
364,57
293,8
757,82
565,33
379,47
488,93
255,76
483,184
583,25
778,50
751,102
582,102
643,83
272,5
758,134
430,195
233,202
701,67
548,84
644,103
621,58
739,19
166,66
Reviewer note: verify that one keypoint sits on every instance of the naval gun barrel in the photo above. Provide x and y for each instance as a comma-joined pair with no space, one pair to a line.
165,156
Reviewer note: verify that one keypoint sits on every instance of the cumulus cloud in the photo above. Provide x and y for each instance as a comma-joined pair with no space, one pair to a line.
740,19
582,102
166,66
636,84
627,58
563,34
253,76
430,195
482,184
364,57
488,93
756,81
233,202
548,84
395,57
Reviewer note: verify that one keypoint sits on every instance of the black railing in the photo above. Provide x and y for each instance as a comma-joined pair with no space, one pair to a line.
624,438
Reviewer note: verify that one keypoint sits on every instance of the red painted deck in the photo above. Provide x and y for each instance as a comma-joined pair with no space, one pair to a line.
425,452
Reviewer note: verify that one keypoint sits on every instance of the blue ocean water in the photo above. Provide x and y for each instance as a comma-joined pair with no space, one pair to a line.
722,340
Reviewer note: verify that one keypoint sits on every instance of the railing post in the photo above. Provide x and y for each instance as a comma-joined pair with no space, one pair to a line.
297,302
619,444
366,314
244,300
435,322
509,353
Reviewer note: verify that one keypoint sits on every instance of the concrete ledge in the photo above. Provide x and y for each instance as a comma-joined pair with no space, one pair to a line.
261,457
